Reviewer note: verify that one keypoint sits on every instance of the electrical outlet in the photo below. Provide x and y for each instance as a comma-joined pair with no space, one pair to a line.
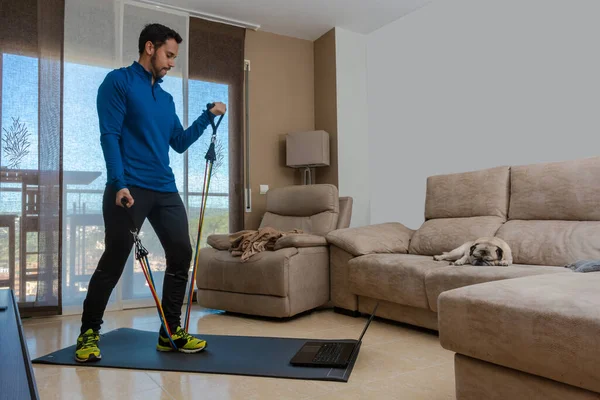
264,189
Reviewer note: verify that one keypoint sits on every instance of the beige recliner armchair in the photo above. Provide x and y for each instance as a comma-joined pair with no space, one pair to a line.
292,278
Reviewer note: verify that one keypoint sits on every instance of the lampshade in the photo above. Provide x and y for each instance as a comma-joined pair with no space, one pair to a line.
307,149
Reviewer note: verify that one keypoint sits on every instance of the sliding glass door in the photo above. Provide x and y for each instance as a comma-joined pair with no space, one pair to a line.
101,36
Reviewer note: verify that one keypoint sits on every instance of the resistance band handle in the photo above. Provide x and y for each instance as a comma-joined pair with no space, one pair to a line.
124,201
209,107
211,155
140,250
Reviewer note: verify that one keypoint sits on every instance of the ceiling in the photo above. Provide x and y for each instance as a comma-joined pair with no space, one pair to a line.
305,19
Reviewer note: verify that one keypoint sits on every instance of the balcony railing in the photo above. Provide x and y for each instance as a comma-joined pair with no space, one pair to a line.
77,218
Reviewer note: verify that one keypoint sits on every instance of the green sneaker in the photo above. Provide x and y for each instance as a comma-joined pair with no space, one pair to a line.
87,347
185,342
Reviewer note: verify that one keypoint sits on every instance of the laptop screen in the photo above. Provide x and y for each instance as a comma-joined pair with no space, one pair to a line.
368,322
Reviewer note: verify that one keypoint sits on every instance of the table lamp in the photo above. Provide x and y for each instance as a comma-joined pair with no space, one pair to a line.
307,150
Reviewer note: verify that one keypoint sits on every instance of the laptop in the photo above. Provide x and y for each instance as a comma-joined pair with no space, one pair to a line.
329,353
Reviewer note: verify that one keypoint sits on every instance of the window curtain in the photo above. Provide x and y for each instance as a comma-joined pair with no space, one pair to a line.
31,73
216,54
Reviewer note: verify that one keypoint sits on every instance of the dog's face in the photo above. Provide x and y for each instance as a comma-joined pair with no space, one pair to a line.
485,254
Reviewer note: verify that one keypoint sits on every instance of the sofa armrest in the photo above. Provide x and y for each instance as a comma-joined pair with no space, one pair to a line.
389,237
300,240
219,241
222,241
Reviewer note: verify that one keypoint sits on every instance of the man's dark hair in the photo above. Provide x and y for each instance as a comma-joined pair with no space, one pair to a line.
157,34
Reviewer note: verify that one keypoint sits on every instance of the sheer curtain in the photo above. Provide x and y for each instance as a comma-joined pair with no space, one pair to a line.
31,73
90,52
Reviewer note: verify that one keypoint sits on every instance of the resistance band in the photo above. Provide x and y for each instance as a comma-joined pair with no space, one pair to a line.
210,157
141,254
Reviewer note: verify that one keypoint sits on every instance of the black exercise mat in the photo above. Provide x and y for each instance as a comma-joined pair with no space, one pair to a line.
234,355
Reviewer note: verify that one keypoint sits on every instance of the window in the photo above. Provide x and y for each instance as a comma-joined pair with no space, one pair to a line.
84,72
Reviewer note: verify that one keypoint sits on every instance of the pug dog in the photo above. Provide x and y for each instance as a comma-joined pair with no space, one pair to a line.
485,251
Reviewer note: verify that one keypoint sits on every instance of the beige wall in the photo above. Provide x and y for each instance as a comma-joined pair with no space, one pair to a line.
281,101
326,102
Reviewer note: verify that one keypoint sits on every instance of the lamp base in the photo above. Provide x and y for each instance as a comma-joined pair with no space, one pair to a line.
307,172
307,175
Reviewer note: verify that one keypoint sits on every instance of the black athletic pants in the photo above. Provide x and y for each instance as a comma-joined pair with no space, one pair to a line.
166,213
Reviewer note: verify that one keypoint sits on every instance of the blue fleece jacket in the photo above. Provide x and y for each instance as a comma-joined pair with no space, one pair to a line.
138,123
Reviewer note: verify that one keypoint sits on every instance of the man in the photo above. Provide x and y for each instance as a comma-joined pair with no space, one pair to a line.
138,124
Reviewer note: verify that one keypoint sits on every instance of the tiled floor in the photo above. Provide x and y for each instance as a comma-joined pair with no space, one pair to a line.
395,361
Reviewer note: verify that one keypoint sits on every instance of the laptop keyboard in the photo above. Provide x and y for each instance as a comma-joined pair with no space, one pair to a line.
329,352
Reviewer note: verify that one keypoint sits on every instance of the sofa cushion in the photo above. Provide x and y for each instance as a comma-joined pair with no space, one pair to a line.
468,194
264,273
551,242
399,278
438,235
566,190
319,224
441,279
312,208
389,237
300,240
545,325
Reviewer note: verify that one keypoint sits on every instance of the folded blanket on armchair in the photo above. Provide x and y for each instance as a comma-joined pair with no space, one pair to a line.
245,244
585,266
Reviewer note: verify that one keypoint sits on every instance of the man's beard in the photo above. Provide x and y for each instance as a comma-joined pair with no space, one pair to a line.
156,72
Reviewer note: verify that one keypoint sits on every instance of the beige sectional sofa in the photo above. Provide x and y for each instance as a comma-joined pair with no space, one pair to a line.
534,322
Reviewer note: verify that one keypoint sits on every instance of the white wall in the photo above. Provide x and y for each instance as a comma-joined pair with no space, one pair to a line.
468,84
353,139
